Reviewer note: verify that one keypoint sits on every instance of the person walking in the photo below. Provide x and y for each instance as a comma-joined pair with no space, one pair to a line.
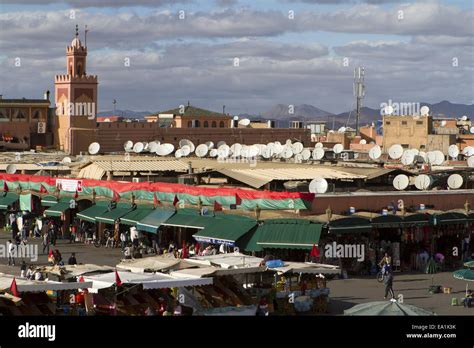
46,242
23,268
123,240
388,280
11,252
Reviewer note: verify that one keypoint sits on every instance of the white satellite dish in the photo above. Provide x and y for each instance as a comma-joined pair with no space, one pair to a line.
298,158
165,149
363,142
267,152
244,122
318,185
128,145
401,182
388,110
245,151
213,153
439,158
201,150
408,158
395,151
287,152
235,149
178,153
186,150
375,152
138,147
318,145
471,130
443,123
423,182
424,111
416,152
152,146
342,130
318,153
453,151
338,148
422,155
210,145
10,169
278,149
288,142
94,148
235,118
455,181
470,162
306,154
297,147
145,147
253,151
223,150
430,157
220,143
464,118
184,142
468,151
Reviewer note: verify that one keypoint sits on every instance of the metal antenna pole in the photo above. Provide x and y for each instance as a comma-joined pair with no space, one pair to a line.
359,93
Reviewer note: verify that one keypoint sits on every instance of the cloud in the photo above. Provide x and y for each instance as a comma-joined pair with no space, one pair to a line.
96,3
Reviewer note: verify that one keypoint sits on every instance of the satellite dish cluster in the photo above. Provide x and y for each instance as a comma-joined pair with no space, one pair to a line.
425,182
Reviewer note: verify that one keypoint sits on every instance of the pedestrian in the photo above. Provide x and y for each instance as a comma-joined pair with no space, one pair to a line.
72,233
123,240
14,225
23,268
134,236
30,273
11,253
46,242
388,280
58,259
110,241
72,259
467,302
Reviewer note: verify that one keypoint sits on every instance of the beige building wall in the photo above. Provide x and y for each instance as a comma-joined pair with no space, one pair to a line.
409,131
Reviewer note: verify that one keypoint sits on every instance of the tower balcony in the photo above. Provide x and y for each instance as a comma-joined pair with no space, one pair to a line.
67,78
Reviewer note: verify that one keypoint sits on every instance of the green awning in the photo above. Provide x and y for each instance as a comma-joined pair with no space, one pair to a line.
57,209
350,224
134,216
90,213
7,199
47,201
451,218
154,220
416,219
389,221
285,234
189,218
225,230
112,215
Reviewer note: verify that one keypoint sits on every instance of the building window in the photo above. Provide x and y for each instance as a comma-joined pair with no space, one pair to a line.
404,123
422,147
405,146
214,124
197,123
419,122
19,115
206,124
221,124
37,115
190,124
4,115
387,123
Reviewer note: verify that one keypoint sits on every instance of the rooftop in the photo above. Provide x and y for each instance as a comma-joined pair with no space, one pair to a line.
192,111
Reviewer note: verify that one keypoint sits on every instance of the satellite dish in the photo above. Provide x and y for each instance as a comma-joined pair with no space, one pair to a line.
464,118
318,185
244,122
94,148
318,153
213,153
178,153
165,149
186,150
235,118
468,151
11,169
297,147
66,160
424,111
416,152
298,158
210,145
201,150
395,151
128,145
318,145
278,148
408,158
401,182
288,142
375,152
184,142
267,152
338,148
138,147
453,151
223,150
443,123
470,162
455,181
388,110
423,182
287,152
430,157
152,146
306,154
439,158
363,142
342,130
220,143
245,151
235,149
471,130
254,151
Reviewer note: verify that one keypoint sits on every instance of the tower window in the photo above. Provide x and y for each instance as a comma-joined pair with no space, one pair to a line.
214,124
206,124
221,124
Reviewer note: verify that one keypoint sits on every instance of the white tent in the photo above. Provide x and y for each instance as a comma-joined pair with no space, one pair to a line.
25,285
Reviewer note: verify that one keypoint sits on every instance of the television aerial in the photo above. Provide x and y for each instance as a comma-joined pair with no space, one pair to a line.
318,185
401,182
455,181
94,148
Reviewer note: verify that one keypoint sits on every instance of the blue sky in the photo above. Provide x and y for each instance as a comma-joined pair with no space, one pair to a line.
282,61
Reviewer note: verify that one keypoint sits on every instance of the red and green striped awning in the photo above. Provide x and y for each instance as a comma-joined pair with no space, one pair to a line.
165,192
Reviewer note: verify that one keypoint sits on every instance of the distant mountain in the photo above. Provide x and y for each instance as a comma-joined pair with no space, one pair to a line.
125,113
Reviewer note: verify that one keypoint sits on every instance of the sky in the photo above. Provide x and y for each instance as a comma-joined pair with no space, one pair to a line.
247,55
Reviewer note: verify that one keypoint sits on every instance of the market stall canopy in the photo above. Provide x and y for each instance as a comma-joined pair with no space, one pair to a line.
59,208
392,308
47,201
111,215
38,285
154,219
225,230
350,224
7,199
284,234
420,219
156,263
451,217
133,217
216,271
148,280
387,221
229,260
69,271
90,213
466,274
306,267
189,218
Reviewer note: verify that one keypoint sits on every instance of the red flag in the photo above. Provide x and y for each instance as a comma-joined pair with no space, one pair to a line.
76,195
5,186
43,189
117,279
314,251
217,206
14,288
175,200
155,200
196,248
238,200
116,197
184,251
81,279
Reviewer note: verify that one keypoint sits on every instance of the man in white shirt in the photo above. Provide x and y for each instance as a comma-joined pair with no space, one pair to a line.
11,252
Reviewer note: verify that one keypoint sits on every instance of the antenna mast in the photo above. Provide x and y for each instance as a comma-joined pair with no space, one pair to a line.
85,36
359,92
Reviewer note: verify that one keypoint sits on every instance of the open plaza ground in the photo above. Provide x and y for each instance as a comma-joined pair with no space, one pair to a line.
345,293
